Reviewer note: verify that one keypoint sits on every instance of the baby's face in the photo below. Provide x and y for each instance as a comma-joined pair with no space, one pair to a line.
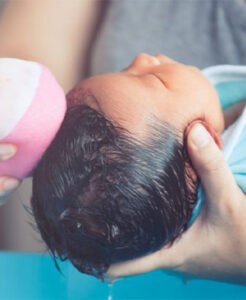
152,86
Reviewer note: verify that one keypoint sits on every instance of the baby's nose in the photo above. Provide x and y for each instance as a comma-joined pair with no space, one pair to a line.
141,61
163,59
144,59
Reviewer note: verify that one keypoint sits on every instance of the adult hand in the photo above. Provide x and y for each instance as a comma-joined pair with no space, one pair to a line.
7,183
215,245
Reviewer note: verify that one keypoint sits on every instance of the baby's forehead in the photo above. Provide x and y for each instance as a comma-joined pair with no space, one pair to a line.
100,87
112,84
116,95
130,101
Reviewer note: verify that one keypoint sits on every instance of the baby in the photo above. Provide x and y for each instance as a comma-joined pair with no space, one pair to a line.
116,183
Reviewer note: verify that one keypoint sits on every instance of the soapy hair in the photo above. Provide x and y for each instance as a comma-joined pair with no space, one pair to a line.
100,196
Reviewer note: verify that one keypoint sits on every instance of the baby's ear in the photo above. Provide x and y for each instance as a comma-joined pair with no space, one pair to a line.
215,135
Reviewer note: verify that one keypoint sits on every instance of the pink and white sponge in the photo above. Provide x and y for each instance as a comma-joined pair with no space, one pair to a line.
32,108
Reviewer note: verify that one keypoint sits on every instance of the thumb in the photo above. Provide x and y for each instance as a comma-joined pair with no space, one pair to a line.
7,151
208,160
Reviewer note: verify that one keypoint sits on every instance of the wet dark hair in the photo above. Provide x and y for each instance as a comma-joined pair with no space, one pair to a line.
101,196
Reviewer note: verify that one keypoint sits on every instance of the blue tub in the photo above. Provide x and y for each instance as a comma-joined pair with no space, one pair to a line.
34,277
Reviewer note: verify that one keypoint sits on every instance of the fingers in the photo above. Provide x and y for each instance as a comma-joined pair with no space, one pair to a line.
7,183
7,151
165,258
210,165
135,266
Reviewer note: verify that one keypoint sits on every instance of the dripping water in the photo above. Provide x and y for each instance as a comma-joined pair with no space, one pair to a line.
110,290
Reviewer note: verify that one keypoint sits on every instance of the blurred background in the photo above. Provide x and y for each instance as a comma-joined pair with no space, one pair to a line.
16,233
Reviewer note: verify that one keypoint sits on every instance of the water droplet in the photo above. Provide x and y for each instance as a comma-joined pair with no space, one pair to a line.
110,290
114,230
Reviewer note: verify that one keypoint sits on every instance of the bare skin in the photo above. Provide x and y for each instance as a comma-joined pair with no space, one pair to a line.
169,90
60,33
218,236
52,32
152,86
7,184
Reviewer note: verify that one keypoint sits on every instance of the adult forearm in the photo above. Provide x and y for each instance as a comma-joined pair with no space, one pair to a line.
52,32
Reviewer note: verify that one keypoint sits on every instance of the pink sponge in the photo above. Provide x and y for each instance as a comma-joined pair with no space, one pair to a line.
32,106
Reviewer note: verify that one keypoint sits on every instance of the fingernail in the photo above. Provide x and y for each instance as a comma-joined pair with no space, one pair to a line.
10,184
199,136
6,151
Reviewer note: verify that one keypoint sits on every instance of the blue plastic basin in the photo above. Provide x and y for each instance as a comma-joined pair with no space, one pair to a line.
34,277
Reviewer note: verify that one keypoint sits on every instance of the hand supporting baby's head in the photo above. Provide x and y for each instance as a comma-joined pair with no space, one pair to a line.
115,183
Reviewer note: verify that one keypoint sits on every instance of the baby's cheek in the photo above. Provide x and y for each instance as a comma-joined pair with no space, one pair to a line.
210,109
214,114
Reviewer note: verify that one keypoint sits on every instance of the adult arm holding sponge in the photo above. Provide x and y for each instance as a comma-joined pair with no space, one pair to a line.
33,106
53,33
7,183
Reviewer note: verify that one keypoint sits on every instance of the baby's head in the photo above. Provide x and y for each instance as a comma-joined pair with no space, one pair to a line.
116,182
